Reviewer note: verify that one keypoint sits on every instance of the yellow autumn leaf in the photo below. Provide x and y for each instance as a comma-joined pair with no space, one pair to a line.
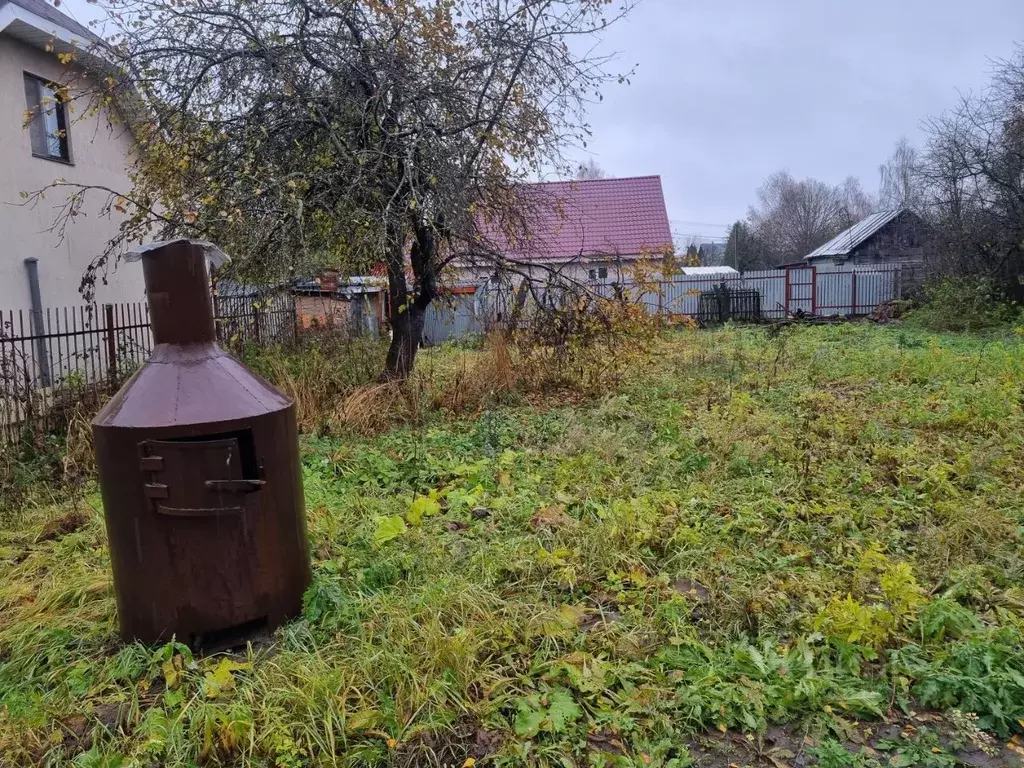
470,762
221,679
170,674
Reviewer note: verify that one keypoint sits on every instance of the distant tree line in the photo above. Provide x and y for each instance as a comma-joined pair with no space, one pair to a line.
793,217
966,182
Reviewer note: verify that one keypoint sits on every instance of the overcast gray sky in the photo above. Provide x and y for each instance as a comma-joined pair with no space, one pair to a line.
728,91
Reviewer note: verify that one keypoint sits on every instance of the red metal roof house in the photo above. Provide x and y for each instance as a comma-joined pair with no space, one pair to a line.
589,228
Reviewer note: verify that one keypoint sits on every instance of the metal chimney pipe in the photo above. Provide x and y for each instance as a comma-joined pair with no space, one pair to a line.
178,289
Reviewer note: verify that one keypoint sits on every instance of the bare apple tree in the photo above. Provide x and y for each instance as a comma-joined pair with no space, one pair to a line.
350,132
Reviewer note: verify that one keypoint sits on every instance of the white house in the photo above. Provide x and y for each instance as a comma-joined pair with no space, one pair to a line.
60,142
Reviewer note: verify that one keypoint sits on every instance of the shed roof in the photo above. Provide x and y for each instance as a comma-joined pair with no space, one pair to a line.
722,270
843,243
345,286
590,218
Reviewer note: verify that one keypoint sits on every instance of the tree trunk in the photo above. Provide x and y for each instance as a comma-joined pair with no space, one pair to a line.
407,311
406,334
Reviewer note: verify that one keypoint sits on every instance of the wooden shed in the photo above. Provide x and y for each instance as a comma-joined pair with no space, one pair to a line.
887,239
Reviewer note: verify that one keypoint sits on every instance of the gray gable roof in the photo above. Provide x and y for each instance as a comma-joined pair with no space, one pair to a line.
843,243
46,11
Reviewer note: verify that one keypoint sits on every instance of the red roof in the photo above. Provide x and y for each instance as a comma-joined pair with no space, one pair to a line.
593,217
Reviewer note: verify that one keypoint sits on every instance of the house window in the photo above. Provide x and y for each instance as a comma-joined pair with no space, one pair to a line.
602,273
48,124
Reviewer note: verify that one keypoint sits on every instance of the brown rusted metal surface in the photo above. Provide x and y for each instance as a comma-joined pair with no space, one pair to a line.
199,470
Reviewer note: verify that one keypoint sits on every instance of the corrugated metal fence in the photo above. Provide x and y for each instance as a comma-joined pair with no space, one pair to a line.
821,292
783,292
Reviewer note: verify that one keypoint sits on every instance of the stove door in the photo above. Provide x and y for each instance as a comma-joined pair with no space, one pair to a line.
207,511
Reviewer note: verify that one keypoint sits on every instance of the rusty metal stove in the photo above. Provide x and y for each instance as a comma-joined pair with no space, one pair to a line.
199,470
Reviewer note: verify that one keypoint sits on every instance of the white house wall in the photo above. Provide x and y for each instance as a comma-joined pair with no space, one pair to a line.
576,271
98,153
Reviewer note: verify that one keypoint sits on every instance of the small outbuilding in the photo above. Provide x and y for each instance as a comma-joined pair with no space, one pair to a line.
886,239
354,304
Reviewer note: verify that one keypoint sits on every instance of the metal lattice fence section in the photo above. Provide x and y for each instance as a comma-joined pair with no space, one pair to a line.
61,358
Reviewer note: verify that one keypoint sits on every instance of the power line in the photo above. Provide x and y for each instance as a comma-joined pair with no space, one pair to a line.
695,236
698,223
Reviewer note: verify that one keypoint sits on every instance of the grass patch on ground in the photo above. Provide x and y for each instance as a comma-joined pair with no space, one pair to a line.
817,525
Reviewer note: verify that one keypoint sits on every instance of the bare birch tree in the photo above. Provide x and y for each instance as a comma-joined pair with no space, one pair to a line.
590,170
900,183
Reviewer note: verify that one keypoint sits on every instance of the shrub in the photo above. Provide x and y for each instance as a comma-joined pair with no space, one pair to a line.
971,304
583,342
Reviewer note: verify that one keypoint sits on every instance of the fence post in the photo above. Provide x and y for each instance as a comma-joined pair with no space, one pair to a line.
111,335
217,325
294,305
853,297
256,322
38,329
814,290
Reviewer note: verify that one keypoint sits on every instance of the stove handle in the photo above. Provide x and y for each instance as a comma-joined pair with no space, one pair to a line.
236,486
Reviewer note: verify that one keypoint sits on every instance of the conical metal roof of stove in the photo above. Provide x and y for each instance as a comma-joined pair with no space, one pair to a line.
189,379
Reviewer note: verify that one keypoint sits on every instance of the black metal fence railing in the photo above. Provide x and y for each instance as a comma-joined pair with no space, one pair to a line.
60,359
256,318
722,303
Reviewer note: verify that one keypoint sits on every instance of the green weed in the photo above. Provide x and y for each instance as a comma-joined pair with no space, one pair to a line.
731,538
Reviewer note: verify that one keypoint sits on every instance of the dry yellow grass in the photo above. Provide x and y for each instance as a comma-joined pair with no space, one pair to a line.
372,409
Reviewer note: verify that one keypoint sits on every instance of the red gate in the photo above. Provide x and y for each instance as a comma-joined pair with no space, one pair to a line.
802,290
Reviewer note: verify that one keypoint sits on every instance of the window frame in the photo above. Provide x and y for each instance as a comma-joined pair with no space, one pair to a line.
37,134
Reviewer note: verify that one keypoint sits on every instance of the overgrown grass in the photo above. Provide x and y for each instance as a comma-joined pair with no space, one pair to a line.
321,372
757,526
